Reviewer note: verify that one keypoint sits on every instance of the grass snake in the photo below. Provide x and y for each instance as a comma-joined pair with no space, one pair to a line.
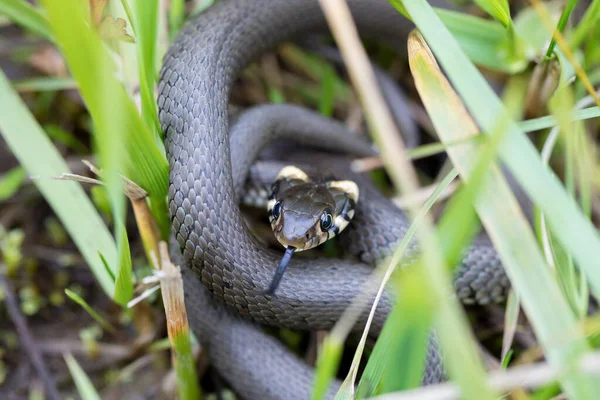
225,267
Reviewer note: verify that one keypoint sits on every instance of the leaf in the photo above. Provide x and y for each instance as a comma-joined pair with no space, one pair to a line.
124,282
517,152
26,15
10,182
511,320
36,153
79,300
515,243
44,84
124,143
327,363
145,14
115,28
97,10
497,9
408,331
84,385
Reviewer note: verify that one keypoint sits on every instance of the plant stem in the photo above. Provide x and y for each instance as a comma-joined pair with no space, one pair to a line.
562,22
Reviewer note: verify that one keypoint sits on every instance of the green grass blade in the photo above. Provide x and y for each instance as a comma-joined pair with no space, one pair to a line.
517,152
97,317
587,24
411,322
327,364
327,97
497,9
514,242
176,17
122,137
86,58
479,38
146,25
404,328
11,181
511,320
36,153
44,84
23,13
124,282
58,134
84,385
549,121
562,22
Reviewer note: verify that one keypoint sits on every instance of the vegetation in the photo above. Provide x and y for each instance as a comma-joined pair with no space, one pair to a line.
78,81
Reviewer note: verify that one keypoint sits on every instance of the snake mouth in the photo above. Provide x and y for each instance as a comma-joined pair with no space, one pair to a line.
299,243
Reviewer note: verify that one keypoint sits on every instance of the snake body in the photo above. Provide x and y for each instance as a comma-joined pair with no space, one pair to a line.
228,266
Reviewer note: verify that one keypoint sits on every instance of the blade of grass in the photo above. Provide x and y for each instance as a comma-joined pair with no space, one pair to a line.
453,326
549,121
86,389
511,320
44,84
146,23
11,181
479,38
586,25
403,307
122,137
524,376
59,135
455,231
573,283
562,44
26,15
30,144
514,242
562,23
79,300
176,17
497,9
124,282
86,57
517,152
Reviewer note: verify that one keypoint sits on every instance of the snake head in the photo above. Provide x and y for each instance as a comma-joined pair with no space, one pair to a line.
304,214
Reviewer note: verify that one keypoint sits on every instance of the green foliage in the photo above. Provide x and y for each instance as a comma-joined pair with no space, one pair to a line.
524,162
25,14
41,160
11,181
84,385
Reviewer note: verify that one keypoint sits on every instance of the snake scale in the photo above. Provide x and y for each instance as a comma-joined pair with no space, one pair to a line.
229,268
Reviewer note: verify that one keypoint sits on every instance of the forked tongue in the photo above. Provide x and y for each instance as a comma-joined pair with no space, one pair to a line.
285,260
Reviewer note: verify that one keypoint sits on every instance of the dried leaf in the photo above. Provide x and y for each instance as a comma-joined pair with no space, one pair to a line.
112,28
97,9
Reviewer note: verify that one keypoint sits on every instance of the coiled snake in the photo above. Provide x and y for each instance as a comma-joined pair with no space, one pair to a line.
229,268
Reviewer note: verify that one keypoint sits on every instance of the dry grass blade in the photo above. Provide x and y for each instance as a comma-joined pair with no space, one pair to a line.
525,376
515,242
177,326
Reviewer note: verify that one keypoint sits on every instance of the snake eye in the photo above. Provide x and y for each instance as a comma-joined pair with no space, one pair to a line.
326,221
276,210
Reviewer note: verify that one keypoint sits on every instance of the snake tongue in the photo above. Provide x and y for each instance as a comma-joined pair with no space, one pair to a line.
285,260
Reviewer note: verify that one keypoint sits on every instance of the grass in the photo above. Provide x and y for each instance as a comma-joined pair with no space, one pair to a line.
552,268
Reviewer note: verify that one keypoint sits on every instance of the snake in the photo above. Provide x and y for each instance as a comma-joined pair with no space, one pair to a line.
225,266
